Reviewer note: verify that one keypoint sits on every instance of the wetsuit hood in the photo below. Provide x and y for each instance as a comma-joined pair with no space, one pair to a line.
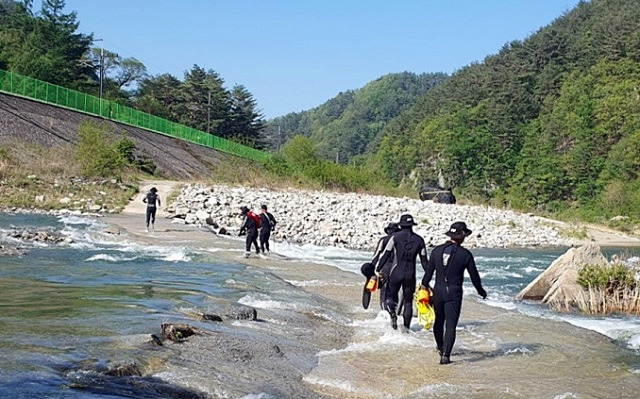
391,228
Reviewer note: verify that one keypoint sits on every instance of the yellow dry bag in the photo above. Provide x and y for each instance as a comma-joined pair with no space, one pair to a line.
426,314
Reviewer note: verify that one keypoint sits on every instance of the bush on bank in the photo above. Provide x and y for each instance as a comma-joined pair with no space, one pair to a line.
299,160
608,289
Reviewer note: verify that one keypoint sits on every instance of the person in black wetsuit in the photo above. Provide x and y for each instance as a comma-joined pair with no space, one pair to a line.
449,261
268,224
368,269
150,199
405,246
250,227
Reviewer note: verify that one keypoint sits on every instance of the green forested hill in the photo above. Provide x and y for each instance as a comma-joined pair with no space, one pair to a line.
551,122
349,124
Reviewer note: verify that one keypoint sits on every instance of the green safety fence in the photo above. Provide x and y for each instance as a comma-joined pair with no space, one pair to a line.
34,89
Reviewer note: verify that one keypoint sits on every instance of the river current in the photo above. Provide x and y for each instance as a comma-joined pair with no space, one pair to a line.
69,310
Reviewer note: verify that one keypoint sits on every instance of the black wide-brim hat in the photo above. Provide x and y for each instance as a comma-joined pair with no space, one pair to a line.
458,230
406,220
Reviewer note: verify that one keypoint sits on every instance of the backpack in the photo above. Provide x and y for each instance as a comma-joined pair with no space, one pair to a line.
256,219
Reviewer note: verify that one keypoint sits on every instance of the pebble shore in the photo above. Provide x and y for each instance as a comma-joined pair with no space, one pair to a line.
357,221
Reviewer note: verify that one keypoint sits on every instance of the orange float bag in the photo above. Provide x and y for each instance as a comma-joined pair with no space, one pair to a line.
372,284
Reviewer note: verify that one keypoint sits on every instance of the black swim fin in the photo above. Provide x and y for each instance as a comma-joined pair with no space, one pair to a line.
366,296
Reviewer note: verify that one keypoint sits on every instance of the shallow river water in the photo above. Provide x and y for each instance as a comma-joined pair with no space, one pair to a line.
68,313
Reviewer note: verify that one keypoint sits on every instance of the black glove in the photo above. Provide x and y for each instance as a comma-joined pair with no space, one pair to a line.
483,294
381,278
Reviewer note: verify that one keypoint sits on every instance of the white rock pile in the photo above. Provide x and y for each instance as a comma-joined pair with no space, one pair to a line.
357,220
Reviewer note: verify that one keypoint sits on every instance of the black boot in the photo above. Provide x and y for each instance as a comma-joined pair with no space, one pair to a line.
444,360
394,320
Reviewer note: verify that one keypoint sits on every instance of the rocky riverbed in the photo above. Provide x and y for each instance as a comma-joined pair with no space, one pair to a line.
357,220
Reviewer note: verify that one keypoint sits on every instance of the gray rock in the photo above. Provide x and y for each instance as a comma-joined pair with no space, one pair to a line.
243,313
202,215
112,230
619,218
558,283
211,317
211,222
8,250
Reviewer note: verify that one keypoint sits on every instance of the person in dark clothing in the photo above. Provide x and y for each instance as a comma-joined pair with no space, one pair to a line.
250,228
268,224
449,261
405,246
150,199
368,269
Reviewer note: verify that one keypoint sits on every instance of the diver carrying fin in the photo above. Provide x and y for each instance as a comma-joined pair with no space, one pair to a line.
377,280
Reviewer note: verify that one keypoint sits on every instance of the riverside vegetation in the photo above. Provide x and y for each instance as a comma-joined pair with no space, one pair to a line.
609,289
97,174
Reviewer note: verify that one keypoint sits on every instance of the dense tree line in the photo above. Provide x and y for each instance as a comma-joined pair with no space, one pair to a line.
46,45
349,124
549,123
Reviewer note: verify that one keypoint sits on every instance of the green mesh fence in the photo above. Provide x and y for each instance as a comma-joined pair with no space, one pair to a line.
38,90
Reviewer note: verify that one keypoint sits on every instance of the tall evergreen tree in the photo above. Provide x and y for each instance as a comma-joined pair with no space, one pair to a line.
49,47
160,95
246,122
204,102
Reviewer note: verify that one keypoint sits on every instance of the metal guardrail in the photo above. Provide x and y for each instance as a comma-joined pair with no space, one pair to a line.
34,89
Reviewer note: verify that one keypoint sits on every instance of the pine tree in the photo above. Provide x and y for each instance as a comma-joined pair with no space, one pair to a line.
246,122
204,102
49,47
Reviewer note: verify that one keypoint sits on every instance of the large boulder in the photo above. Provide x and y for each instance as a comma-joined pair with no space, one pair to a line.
445,198
437,194
557,285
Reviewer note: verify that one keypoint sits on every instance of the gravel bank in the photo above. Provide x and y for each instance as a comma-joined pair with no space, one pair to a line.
357,220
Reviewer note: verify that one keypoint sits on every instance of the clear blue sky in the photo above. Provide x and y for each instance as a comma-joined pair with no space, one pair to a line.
296,54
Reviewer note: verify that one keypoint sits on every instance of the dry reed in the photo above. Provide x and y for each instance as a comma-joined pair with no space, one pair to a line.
624,300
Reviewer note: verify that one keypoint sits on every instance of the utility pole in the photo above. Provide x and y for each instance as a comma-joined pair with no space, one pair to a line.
101,69
279,138
209,113
88,64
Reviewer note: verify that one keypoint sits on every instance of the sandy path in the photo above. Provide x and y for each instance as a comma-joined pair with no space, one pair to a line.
597,234
165,188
